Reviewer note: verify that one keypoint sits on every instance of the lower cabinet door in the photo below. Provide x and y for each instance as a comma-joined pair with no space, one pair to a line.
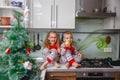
117,75
61,76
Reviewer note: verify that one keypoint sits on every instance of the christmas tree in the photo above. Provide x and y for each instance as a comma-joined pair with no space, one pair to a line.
15,62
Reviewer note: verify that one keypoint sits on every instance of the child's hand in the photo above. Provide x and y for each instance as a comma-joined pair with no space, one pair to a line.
79,54
59,50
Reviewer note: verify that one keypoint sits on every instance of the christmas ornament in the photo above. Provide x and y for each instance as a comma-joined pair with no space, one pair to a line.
27,65
20,61
28,50
7,51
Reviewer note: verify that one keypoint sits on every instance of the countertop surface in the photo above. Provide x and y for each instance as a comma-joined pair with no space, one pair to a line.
51,68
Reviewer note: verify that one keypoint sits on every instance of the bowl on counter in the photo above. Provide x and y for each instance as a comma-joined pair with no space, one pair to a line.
16,3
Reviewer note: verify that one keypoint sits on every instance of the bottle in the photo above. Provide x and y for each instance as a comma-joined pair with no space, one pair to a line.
81,10
26,16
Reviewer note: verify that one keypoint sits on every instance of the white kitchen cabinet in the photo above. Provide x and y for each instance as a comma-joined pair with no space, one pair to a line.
113,22
65,16
42,13
58,14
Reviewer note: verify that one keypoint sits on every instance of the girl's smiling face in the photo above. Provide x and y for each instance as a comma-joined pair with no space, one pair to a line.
52,38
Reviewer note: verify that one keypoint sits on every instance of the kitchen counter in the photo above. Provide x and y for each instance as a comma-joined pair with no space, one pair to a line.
63,68
51,68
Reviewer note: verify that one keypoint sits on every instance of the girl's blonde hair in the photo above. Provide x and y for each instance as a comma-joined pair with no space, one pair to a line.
46,43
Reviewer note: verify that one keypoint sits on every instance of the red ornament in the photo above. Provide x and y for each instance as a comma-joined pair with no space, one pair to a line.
7,51
28,50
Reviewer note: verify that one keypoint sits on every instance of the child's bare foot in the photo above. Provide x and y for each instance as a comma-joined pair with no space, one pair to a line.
74,64
43,66
67,65
56,64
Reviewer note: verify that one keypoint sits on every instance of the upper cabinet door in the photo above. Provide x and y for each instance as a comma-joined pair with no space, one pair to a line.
42,13
58,14
65,14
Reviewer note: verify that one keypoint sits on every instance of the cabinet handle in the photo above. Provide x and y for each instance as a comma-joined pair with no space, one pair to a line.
51,15
31,18
56,16
62,75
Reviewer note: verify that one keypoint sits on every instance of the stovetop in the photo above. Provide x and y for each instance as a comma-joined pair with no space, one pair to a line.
96,63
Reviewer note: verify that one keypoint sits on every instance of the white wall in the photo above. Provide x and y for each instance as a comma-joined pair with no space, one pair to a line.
113,6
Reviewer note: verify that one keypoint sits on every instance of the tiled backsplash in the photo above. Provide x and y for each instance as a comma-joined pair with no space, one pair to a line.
89,25
91,45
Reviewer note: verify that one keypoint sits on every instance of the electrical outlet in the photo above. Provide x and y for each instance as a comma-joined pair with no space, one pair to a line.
107,49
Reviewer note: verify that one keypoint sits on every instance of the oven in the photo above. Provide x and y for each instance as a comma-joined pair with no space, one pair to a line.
95,76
